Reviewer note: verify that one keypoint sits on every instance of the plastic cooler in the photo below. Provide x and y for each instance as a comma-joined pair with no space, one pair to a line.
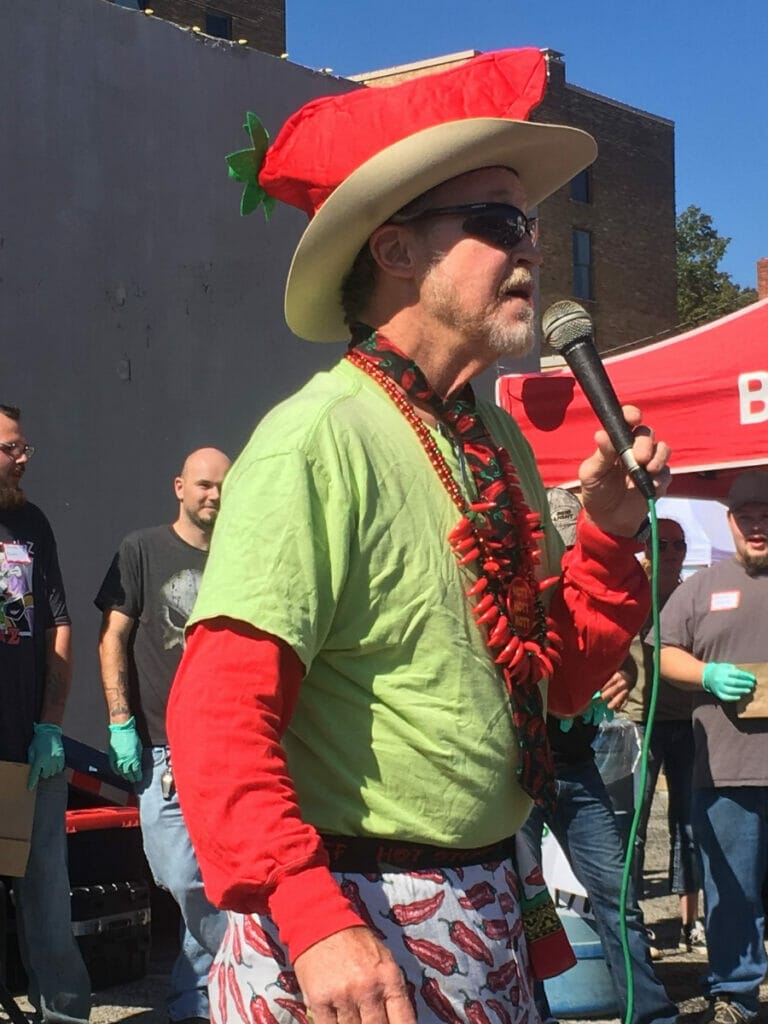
111,913
586,989
104,845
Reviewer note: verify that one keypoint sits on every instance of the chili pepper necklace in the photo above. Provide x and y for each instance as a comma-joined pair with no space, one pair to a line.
499,535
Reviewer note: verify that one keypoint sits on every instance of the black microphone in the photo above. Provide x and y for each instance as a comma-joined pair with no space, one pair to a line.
567,328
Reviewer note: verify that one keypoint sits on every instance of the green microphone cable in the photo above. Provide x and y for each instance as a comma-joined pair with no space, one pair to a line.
643,772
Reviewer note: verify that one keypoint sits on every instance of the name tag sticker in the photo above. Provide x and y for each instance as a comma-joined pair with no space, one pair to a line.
16,553
725,600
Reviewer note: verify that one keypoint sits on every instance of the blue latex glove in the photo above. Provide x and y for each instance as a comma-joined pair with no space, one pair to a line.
566,724
45,753
598,710
726,681
125,749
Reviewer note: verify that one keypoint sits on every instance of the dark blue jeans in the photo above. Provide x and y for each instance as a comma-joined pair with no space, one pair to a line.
585,826
731,825
672,748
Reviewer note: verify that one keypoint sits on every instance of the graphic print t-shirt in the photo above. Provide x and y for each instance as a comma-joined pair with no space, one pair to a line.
31,601
153,579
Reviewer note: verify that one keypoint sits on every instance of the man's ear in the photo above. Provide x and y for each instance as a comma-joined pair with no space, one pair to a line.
178,487
392,247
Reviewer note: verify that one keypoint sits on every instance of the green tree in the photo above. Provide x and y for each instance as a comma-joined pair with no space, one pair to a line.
704,293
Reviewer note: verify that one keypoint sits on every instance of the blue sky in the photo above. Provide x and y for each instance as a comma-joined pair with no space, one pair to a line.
700,63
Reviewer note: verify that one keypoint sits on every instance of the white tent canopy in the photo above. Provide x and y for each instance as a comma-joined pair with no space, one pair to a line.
706,529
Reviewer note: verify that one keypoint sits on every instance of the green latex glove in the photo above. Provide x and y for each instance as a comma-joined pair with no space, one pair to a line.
125,749
45,753
726,681
598,711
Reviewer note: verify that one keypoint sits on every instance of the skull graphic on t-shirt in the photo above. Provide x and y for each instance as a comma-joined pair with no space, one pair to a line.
177,598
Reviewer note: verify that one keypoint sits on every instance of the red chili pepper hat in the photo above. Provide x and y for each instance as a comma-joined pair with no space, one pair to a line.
352,161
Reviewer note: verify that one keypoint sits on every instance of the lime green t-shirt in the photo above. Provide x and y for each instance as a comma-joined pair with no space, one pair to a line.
332,536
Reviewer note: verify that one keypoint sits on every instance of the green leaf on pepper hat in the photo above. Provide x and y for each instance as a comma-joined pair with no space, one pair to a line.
245,164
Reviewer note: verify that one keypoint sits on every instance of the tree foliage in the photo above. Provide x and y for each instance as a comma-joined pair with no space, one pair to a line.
704,293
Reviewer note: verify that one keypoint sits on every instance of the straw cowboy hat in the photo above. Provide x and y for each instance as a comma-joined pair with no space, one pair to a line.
352,161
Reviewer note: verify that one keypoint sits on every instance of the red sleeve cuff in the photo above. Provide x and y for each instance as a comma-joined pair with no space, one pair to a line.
605,567
308,907
595,543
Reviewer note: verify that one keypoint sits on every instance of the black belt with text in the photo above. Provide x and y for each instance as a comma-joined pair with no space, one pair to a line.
360,854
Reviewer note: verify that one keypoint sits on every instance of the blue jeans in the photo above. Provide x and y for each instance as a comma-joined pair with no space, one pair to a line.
585,826
174,867
59,986
672,748
731,826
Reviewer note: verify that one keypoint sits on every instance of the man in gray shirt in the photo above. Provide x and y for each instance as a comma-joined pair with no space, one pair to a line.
714,638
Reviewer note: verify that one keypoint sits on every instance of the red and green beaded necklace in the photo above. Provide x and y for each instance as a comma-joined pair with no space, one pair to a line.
498,536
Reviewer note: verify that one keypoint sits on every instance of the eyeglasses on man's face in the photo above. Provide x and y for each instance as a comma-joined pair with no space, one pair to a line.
678,545
500,224
15,449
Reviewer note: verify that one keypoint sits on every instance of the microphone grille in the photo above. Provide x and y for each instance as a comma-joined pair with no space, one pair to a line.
564,322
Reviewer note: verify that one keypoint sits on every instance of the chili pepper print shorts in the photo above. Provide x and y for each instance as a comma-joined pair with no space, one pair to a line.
456,933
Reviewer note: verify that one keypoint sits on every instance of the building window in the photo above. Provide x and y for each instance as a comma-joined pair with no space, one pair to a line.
219,25
581,186
582,264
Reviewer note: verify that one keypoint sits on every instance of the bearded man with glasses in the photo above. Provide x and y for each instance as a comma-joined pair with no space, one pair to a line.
35,678
357,724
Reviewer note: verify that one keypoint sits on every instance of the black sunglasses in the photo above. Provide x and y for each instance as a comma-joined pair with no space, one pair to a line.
498,223
678,545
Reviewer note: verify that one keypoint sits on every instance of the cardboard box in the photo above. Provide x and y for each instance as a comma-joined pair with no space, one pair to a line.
755,704
17,811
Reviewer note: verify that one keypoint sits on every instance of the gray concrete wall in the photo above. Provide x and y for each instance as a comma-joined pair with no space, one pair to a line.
140,315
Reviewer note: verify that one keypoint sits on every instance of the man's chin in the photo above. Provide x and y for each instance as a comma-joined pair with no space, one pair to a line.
515,343
755,562
11,497
204,520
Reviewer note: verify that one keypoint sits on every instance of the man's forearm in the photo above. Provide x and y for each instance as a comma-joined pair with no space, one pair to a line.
58,674
681,668
113,658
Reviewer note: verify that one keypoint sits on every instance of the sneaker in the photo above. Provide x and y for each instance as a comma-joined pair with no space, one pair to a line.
693,939
723,1011
653,950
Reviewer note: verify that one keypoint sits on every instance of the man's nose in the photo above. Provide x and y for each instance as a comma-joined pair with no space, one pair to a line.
527,254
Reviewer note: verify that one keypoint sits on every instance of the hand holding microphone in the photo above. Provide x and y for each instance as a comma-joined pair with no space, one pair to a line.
628,467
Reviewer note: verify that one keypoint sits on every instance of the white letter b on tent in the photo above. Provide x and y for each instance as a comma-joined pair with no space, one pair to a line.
753,397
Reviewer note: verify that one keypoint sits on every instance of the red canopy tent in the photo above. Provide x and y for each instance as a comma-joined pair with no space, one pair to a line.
705,393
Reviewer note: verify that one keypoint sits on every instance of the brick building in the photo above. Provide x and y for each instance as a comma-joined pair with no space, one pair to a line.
762,278
608,238
256,23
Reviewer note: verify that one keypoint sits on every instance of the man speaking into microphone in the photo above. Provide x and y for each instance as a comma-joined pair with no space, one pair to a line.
357,723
